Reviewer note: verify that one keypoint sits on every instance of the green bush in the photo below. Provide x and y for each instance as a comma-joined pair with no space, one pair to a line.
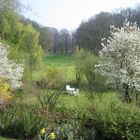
75,130
55,77
75,124
20,123
115,120
85,71
65,131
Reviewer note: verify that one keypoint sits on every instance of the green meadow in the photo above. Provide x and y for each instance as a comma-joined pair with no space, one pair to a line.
59,60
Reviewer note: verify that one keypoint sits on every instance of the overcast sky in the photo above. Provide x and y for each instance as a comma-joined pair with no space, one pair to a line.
69,13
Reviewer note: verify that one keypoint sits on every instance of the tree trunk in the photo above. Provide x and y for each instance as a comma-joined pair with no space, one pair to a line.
136,97
66,45
127,97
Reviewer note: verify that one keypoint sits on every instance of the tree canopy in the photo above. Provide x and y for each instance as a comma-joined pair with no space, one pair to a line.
89,34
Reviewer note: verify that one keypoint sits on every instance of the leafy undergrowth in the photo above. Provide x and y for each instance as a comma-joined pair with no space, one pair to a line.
114,119
104,116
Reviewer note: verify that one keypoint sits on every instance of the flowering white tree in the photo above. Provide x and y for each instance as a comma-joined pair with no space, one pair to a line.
121,58
9,69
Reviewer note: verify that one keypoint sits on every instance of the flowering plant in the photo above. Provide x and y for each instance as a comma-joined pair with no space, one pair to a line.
121,57
47,136
5,93
9,69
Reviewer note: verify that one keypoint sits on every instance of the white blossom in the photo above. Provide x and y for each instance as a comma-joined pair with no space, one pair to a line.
9,69
121,56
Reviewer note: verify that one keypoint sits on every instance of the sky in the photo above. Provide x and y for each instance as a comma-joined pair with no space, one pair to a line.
68,14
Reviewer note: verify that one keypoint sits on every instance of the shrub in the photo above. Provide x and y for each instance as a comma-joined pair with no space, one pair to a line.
20,123
5,93
116,120
85,70
75,129
55,77
65,131
9,69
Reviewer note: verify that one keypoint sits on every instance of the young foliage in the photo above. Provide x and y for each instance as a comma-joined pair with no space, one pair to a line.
29,45
85,66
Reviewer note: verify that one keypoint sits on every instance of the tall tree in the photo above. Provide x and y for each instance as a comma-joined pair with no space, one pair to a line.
30,46
56,39
65,38
121,58
45,37
90,33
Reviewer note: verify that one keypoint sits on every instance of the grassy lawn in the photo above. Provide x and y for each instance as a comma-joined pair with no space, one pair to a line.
59,60
64,61
70,102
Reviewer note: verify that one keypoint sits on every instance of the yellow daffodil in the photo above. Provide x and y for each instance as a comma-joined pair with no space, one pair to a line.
42,131
52,136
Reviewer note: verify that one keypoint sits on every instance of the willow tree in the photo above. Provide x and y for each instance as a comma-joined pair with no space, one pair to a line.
29,45
121,58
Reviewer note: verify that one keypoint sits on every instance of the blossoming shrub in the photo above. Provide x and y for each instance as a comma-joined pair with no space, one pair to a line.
121,59
11,75
9,69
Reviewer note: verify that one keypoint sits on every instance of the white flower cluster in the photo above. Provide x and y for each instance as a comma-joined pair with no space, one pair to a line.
121,56
10,70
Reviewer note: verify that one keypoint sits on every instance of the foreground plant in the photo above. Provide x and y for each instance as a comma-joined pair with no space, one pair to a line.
47,135
20,122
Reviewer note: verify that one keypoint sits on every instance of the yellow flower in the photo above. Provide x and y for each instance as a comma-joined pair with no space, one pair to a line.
42,131
5,87
52,136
